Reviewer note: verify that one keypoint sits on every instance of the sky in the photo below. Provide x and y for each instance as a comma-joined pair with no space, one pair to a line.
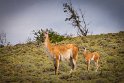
18,18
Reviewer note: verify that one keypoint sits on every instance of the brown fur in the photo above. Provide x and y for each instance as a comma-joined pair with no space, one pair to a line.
91,56
60,52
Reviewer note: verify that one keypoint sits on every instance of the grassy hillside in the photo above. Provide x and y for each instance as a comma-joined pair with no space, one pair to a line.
28,63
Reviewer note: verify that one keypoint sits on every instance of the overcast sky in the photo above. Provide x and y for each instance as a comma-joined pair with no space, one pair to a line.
18,18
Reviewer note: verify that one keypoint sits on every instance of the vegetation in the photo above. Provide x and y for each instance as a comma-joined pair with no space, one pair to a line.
54,36
27,63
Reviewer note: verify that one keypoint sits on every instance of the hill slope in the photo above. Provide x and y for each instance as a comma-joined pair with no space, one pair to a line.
27,63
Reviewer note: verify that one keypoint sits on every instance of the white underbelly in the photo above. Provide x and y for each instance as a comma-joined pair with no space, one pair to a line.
93,57
66,56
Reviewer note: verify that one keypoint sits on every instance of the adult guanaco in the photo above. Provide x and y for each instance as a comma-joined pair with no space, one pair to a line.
61,52
91,56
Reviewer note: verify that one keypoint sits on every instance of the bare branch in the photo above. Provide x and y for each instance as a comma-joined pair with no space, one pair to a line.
75,19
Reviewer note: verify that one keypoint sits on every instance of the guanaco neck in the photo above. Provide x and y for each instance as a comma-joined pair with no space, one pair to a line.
84,52
47,43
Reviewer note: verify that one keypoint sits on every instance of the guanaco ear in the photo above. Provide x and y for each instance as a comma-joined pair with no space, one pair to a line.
46,33
84,48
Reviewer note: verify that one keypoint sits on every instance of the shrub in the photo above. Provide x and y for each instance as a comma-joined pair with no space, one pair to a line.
102,42
54,36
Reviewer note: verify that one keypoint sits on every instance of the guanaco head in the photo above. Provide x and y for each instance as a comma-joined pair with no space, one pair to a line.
84,51
46,34
47,40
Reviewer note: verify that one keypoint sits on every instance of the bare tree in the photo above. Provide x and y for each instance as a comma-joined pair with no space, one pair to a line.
77,19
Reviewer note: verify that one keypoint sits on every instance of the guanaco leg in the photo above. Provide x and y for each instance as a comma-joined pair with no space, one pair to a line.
73,64
56,65
88,65
97,65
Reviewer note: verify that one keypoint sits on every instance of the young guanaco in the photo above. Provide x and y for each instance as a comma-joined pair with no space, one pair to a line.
91,56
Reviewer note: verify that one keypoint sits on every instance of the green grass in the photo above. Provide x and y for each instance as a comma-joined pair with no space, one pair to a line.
28,63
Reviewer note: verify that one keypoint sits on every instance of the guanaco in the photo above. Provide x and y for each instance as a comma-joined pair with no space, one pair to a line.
61,52
91,56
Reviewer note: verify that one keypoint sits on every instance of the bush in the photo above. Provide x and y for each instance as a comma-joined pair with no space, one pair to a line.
1,45
54,36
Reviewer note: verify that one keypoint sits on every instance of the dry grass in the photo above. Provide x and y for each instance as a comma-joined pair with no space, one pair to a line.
27,63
